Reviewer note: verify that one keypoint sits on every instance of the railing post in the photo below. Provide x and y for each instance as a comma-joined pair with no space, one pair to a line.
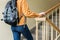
59,19
51,27
47,31
37,20
36,29
56,20
43,31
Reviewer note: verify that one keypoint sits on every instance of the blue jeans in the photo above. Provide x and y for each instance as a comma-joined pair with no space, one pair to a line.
17,30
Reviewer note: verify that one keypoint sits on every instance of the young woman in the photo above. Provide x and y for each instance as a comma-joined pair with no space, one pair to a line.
21,27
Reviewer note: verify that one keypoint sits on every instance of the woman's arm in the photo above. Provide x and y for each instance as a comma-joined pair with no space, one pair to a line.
27,12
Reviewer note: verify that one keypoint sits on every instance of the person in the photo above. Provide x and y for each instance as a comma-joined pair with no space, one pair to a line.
21,27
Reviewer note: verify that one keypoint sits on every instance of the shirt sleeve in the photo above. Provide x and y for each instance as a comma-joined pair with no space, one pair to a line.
27,12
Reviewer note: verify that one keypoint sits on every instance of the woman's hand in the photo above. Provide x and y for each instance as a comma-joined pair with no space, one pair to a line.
42,14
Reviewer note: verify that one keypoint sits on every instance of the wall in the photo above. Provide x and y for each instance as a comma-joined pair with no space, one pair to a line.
34,5
5,31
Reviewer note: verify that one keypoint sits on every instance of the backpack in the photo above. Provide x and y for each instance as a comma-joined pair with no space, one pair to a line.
10,14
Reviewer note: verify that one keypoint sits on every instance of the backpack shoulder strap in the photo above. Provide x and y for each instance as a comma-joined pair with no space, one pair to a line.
8,4
14,3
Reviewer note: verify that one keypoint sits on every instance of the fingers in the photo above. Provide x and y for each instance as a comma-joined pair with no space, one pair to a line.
42,14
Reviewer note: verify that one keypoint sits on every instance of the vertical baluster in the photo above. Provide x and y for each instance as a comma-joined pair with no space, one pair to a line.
56,20
36,29
43,31
47,31
59,17
51,27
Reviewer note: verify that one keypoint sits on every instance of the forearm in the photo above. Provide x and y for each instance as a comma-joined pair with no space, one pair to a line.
27,12
31,14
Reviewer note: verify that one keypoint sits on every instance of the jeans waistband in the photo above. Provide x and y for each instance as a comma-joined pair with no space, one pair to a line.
20,25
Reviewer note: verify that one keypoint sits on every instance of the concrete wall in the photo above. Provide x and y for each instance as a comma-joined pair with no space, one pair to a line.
34,5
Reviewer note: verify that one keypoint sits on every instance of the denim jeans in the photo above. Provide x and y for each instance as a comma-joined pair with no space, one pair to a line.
17,30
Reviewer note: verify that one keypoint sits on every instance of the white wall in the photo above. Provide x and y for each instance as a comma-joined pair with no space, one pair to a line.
35,5
5,31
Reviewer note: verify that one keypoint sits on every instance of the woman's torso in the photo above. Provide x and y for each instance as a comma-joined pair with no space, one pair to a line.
20,13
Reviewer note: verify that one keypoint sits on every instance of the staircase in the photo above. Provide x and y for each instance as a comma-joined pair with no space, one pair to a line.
48,27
